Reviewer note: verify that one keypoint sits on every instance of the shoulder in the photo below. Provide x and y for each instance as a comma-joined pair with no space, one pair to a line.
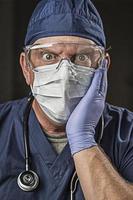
119,121
11,119
11,108
118,130
111,109
118,115
120,134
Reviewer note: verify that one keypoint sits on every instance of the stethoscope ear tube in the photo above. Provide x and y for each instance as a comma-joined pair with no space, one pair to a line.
73,184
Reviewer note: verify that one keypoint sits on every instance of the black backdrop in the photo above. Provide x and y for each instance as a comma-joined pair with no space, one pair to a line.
117,16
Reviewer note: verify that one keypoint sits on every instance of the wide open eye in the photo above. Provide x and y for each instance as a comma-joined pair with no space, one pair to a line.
49,57
41,57
83,59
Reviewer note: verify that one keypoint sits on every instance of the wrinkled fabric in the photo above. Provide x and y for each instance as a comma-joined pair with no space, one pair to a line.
65,17
55,171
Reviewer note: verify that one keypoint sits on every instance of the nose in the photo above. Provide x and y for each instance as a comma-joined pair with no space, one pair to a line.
64,59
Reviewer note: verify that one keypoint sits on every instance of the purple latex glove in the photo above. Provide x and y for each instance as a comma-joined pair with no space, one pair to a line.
81,125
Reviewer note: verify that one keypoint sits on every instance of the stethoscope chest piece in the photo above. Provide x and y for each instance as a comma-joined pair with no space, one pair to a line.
28,181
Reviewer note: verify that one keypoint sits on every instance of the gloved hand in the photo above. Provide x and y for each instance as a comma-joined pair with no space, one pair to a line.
82,122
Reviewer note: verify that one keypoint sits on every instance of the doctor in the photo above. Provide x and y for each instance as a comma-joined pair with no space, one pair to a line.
71,143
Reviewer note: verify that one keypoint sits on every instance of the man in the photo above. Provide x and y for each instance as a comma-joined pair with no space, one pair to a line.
70,134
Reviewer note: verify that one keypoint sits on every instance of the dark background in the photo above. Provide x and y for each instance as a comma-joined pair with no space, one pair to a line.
117,17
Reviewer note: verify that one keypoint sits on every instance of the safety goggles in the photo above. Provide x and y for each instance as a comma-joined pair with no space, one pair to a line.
87,55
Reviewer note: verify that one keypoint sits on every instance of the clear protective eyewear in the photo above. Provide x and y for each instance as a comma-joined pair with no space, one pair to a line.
86,55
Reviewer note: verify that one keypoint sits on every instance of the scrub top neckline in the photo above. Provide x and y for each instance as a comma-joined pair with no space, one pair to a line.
43,147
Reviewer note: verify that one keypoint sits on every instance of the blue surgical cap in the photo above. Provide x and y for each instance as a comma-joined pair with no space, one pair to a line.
65,18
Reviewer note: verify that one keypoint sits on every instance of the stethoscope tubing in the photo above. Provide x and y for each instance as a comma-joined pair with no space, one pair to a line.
25,132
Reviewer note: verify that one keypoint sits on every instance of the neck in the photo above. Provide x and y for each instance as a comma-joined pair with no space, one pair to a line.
47,125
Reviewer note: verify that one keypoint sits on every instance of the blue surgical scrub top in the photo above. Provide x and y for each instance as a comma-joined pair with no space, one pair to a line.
55,171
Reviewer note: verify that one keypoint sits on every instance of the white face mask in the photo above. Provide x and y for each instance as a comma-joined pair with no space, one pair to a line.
58,88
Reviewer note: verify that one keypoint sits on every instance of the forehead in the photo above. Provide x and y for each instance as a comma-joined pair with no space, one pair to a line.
61,39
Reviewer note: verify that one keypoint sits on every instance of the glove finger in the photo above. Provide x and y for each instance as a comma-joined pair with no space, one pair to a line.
103,81
98,84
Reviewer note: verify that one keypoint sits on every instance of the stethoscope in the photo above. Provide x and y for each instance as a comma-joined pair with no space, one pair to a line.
28,180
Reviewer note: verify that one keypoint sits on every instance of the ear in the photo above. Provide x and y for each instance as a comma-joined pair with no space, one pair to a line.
27,72
107,57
